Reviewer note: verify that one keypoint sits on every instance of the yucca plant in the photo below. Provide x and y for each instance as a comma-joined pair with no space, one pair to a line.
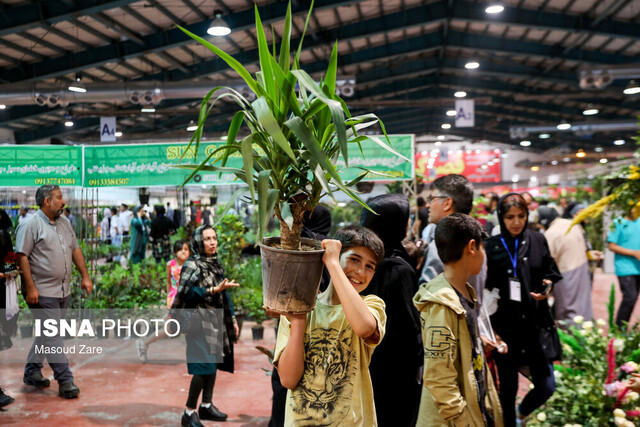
297,129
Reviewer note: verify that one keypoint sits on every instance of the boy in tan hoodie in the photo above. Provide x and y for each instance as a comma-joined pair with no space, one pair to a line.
458,389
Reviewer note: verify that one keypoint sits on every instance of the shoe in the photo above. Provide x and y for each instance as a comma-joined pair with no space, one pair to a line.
68,390
191,420
36,380
211,413
5,399
142,347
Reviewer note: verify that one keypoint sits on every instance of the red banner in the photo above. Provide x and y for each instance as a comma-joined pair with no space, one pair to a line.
475,165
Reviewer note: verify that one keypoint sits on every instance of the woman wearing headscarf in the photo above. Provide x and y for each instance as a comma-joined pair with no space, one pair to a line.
520,266
397,360
569,250
7,327
139,224
105,226
161,228
202,289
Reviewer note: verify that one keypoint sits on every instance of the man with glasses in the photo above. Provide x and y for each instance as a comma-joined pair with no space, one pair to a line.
449,194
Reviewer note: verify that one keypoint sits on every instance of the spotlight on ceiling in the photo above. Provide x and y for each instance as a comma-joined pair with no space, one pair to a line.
460,94
544,136
590,112
118,134
445,126
451,113
581,153
77,85
619,142
192,127
525,143
219,26
472,65
494,8
603,160
147,110
564,125
632,88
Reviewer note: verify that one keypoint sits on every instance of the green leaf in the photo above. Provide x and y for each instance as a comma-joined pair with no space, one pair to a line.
263,53
220,215
296,59
387,147
233,133
230,60
247,162
284,59
266,201
332,70
264,115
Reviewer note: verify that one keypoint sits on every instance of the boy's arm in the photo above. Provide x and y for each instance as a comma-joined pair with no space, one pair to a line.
440,354
624,251
362,322
290,364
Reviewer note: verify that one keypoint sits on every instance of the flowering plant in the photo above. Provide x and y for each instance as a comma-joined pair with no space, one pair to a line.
591,386
9,262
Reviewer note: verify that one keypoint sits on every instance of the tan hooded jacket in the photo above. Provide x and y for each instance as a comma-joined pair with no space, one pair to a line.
449,396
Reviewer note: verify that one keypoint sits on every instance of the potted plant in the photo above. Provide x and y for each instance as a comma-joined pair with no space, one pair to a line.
213,199
296,129
257,313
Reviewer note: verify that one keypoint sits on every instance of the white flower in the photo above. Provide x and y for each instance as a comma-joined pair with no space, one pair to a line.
632,396
619,413
542,417
620,422
588,324
601,331
601,322
578,319
618,344
583,332
557,374
628,423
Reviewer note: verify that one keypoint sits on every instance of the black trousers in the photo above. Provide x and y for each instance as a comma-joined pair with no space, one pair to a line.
630,288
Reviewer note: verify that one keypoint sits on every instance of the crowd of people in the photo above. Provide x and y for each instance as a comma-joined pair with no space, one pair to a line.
415,323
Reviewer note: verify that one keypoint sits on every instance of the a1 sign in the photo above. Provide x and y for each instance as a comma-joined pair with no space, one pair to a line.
107,129
465,114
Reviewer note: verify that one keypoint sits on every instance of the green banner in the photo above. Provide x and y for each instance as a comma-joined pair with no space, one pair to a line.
384,166
36,165
146,165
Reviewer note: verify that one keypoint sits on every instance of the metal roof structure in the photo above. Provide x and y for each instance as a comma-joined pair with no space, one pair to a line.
408,58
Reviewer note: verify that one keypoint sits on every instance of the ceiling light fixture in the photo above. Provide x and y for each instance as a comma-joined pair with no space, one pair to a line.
451,113
68,123
494,8
192,127
525,143
603,160
619,142
581,153
590,111
147,110
544,136
471,65
598,149
554,162
460,94
563,125
441,137
118,134
219,26
2,106
445,126
535,168
566,160
77,85
632,88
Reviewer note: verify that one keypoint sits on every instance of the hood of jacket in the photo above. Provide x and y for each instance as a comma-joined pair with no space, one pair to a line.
439,291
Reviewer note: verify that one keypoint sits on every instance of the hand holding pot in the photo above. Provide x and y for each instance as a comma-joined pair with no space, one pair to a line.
332,250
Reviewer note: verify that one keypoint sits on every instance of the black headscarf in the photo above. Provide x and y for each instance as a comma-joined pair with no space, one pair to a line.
317,223
390,223
546,215
508,238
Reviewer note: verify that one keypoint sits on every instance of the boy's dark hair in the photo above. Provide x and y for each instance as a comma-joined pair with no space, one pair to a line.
458,188
177,246
454,232
354,235
421,202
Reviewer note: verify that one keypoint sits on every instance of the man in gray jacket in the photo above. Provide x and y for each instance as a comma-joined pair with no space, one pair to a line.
47,246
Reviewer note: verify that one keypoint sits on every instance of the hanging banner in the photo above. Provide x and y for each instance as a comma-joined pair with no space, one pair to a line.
384,166
36,165
107,129
465,114
147,165
475,165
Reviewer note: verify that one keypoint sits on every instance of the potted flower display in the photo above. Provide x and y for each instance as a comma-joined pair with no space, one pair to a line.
295,130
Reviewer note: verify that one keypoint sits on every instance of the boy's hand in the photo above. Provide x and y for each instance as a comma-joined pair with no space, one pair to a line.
331,250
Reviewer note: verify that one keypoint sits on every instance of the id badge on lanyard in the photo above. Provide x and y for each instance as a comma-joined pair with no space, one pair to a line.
515,287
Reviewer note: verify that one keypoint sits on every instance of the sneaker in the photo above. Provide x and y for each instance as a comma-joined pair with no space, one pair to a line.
190,420
68,390
36,380
211,413
5,399
142,347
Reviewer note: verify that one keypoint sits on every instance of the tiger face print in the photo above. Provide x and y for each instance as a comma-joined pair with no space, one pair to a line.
324,391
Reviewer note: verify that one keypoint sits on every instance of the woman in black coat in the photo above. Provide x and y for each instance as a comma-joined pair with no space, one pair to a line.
7,327
397,360
519,264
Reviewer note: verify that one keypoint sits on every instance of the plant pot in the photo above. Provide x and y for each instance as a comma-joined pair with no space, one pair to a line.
290,279
213,200
144,199
257,332
26,331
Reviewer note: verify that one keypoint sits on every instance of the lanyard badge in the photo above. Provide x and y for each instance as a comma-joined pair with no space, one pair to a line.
515,293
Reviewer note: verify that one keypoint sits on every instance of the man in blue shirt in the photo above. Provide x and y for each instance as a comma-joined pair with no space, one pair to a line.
624,241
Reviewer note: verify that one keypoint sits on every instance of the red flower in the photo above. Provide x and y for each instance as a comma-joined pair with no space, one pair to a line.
11,258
